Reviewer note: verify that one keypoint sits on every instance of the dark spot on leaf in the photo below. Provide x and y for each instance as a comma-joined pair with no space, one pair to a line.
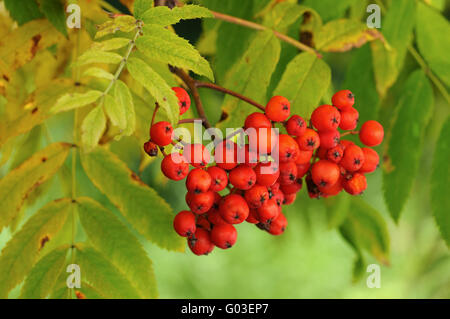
44,159
34,110
34,46
43,241
223,116
6,78
306,37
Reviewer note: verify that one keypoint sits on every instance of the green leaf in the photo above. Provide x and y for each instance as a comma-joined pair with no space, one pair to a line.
367,230
23,11
344,34
140,7
121,23
72,101
124,101
115,112
17,185
397,28
113,239
141,205
98,73
55,13
285,14
330,9
250,76
432,31
87,290
359,265
97,56
110,44
337,209
405,142
157,87
24,249
165,46
164,16
102,274
93,126
42,278
440,184
304,82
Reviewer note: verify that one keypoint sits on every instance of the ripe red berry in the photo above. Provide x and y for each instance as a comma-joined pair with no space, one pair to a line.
321,152
184,101
196,154
355,184
288,148
225,154
371,160
174,166
346,143
203,222
242,177
214,217
353,158
251,157
201,203
278,108
267,173
343,99
219,178
224,236
198,181
309,141
161,133
288,173
349,118
371,133
329,139
292,188
331,190
303,157
184,223
278,196
313,190
252,217
257,120
325,173
325,118
262,140
296,125
200,243
151,148
234,209
278,226
268,212
302,169
335,154
256,196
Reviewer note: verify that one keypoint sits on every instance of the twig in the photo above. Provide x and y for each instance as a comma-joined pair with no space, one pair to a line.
185,121
349,132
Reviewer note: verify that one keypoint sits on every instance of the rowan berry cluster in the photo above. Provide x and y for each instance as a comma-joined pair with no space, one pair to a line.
252,181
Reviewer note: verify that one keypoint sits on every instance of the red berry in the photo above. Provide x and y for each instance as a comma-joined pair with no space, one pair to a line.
196,154
203,222
234,209
161,133
198,181
268,212
200,243
346,143
278,108
371,133
331,190
288,173
371,160
151,148
278,226
257,120
288,148
296,125
219,178
251,157
278,196
302,169
335,154
184,101
349,118
303,157
262,140
214,217
242,177
321,153
325,118
201,203
225,154
174,166
309,141
325,173
353,158
329,139
343,99
184,223
224,236
313,190
355,184
292,188
256,196
267,173
252,217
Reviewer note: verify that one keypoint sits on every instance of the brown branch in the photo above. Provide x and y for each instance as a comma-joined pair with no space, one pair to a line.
256,26
350,132
229,92
185,121
154,113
